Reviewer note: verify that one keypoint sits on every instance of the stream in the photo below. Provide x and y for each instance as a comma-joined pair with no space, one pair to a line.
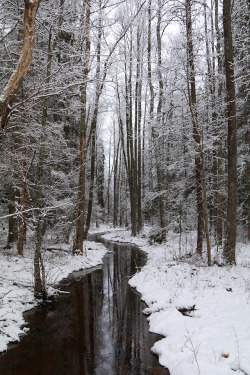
95,328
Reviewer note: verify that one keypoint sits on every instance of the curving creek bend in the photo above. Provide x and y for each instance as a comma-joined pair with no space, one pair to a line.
96,329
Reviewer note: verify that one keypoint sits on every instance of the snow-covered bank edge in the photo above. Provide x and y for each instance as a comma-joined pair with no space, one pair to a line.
16,282
214,338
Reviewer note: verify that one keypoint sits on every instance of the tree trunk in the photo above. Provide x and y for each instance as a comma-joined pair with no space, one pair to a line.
23,218
92,180
116,182
13,86
40,287
13,232
231,220
133,144
199,166
132,176
218,143
155,140
109,179
138,91
78,243
23,196
99,87
245,90
247,175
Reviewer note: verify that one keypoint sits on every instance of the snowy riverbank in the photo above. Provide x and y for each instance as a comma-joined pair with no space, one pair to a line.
16,282
214,338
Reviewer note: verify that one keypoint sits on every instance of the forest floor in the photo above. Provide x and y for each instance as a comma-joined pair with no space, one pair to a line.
203,313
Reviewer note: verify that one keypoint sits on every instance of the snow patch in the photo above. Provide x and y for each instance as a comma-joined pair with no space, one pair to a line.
214,338
16,283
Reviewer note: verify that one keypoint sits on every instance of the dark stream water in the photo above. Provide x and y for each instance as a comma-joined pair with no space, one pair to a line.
97,329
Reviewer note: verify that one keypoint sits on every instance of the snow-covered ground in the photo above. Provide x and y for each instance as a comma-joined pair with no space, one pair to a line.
16,282
214,339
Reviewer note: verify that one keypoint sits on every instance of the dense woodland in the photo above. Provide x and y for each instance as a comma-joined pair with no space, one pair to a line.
124,112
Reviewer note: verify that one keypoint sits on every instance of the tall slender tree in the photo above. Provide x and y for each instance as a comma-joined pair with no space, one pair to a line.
231,220
199,163
78,243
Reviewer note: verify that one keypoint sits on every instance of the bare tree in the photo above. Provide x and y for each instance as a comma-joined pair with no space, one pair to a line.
13,86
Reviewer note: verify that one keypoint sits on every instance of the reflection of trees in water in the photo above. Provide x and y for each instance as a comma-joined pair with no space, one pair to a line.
88,297
96,329
108,310
130,340
126,320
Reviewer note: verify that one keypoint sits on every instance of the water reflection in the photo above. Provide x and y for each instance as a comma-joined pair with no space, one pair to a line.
96,330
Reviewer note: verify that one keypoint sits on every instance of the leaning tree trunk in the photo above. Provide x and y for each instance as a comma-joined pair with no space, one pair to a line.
13,86
230,244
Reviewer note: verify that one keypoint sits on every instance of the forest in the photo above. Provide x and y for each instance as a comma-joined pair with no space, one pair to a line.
128,113
124,122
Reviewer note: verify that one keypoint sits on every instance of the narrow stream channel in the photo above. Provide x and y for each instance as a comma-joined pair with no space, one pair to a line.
97,329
